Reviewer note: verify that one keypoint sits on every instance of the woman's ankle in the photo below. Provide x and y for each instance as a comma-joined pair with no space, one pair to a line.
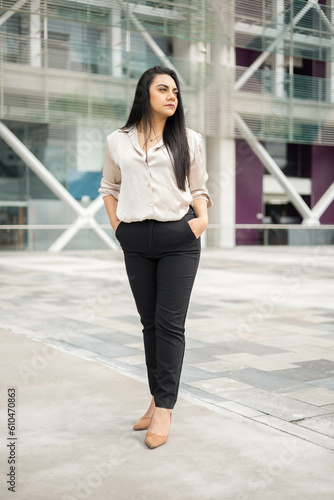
161,409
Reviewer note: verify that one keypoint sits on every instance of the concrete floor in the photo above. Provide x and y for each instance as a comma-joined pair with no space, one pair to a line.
255,414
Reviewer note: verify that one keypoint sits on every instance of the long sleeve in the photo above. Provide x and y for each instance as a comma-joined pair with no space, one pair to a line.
198,174
145,186
111,180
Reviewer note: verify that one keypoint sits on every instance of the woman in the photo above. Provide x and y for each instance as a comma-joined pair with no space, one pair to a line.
154,191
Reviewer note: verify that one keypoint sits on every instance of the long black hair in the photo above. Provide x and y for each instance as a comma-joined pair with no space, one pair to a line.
174,134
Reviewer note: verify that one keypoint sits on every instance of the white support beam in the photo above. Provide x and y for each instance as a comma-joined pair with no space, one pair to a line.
330,62
221,147
94,226
116,43
330,65
67,235
307,41
260,60
150,42
308,216
10,12
323,203
95,206
325,18
40,170
84,215
278,56
86,222
35,34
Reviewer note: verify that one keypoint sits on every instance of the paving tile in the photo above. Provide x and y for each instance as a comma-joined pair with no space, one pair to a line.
320,352
128,328
285,342
317,396
297,430
260,379
292,357
297,322
62,344
107,349
84,353
322,423
327,383
137,345
217,366
315,318
313,332
63,324
272,332
274,404
301,374
212,349
219,385
326,326
192,343
249,347
192,357
197,307
115,363
324,312
200,394
329,408
324,366
253,361
129,319
320,341
240,409
139,359
120,337
329,336
191,374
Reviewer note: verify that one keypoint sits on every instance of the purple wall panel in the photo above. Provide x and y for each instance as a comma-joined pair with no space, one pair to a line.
245,57
319,69
249,172
322,177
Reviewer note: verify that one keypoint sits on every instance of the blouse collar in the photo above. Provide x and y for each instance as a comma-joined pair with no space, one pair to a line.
133,135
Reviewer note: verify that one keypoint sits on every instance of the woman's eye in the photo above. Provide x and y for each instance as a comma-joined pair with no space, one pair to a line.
165,90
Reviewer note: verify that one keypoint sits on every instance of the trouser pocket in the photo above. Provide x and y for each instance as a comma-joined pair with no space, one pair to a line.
117,229
189,216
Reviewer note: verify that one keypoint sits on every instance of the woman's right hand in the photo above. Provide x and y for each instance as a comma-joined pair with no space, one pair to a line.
116,226
111,206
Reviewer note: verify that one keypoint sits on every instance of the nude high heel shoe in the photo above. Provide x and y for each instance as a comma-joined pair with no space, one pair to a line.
155,440
142,424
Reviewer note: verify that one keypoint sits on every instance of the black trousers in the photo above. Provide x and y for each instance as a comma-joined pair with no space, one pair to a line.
161,260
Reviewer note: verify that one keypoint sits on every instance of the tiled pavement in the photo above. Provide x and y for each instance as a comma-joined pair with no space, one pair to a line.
259,337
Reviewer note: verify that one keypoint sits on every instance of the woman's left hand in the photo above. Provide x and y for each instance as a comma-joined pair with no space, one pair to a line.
198,225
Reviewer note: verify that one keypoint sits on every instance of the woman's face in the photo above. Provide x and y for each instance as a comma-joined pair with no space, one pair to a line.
163,96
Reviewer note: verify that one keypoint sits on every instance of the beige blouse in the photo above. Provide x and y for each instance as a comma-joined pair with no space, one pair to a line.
145,186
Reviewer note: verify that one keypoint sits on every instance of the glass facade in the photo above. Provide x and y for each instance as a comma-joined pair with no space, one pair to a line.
68,71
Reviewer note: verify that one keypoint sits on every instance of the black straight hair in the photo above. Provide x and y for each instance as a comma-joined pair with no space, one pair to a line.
174,134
